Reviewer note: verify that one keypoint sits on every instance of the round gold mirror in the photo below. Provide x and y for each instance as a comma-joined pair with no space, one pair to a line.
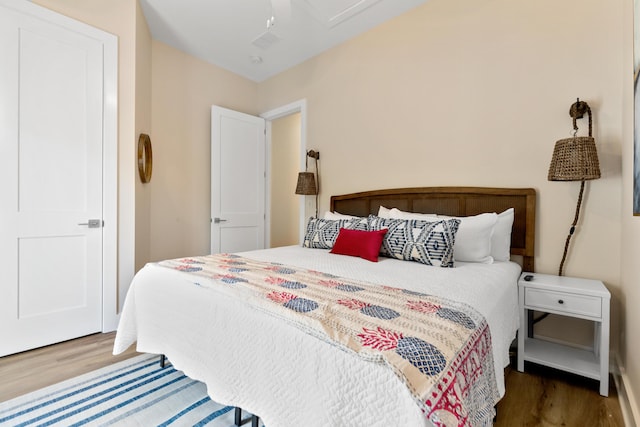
145,158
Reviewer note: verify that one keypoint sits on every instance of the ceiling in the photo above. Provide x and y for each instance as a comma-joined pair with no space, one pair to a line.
240,36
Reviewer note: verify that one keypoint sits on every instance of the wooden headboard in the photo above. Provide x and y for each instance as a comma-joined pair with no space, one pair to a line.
454,201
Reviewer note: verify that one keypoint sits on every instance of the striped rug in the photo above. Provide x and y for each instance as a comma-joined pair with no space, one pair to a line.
135,392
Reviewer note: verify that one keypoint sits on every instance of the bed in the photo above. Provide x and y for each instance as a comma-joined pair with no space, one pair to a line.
291,374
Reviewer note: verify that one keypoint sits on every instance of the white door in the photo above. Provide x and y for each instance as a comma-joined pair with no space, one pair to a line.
51,86
238,180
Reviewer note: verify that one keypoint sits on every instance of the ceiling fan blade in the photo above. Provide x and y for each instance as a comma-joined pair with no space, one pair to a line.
281,10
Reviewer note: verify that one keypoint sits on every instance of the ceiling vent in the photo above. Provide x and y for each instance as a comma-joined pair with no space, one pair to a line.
333,12
265,40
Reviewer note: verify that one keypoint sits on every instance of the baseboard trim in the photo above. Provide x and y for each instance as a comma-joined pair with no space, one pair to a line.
630,412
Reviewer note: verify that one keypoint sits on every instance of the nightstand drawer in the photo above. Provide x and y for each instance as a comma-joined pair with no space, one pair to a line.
562,302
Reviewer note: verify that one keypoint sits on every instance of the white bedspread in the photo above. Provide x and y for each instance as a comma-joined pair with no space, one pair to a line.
278,372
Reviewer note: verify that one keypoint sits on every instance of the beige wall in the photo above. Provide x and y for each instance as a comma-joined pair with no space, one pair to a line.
457,93
143,125
285,156
629,348
476,93
117,17
183,90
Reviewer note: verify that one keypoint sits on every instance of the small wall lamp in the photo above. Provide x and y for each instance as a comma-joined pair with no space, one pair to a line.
575,159
307,184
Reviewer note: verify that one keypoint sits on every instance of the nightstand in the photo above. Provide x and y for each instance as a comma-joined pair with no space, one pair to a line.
573,297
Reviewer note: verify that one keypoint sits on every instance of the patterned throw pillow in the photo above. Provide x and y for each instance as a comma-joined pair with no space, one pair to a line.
430,243
322,233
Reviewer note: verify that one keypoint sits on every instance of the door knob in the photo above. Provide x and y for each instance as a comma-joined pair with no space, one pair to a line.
92,223
218,220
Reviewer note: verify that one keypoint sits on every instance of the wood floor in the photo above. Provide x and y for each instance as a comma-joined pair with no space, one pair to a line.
539,397
25,372
547,397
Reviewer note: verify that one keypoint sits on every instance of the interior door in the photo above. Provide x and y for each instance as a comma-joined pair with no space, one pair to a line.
238,180
51,88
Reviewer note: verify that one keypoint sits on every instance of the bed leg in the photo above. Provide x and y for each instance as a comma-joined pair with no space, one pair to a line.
163,359
495,417
239,421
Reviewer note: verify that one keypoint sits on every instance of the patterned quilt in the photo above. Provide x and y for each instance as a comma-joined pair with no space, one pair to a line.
440,349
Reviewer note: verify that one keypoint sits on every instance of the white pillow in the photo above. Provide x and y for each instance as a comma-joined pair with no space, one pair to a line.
337,215
501,239
396,213
383,212
474,239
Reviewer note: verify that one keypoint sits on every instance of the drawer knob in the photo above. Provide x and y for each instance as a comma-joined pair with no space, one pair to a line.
560,301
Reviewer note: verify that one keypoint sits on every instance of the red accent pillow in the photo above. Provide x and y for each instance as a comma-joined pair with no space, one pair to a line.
363,244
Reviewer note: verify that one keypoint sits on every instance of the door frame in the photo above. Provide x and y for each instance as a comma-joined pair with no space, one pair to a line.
110,309
109,41
299,106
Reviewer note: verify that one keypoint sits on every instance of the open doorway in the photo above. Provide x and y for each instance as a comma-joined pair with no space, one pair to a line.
286,148
285,205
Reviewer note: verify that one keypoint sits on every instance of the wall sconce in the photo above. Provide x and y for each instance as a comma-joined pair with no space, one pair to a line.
145,158
575,159
307,184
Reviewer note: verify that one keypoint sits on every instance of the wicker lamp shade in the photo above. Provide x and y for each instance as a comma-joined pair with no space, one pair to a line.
574,159
306,184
